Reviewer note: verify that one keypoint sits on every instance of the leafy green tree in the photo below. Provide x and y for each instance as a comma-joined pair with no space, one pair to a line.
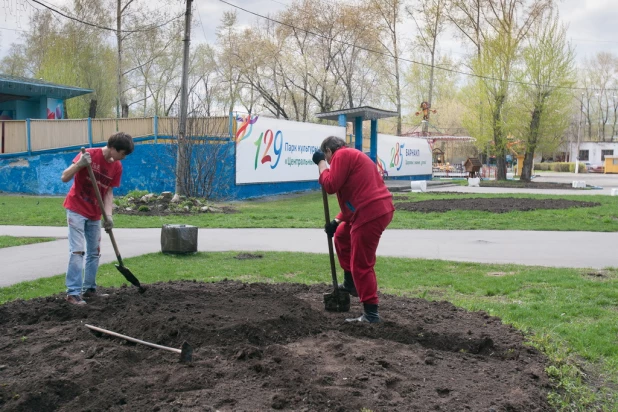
547,76
599,78
431,22
507,25
390,13
154,58
77,55
15,62
228,71
418,79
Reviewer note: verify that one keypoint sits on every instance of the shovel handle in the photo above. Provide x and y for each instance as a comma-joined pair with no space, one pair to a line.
97,192
331,252
95,185
118,335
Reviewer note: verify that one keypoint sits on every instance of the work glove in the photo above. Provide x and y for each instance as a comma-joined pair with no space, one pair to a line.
108,223
84,160
318,156
331,227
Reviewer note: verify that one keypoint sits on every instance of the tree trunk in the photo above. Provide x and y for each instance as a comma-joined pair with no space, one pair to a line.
499,144
500,166
526,171
92,111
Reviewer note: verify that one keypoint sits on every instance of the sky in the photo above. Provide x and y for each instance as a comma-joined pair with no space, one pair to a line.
592,24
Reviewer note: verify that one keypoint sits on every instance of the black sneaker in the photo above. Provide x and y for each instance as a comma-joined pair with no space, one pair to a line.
75,300
92,293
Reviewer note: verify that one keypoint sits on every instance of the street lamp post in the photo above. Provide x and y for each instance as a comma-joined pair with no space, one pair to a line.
600,117
579,125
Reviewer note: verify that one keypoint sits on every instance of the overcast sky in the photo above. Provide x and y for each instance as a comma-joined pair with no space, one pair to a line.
592,23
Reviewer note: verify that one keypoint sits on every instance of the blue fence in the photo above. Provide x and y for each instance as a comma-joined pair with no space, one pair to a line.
150,167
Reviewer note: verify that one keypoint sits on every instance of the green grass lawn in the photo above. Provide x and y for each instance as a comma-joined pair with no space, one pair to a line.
569,314
8,241
306,211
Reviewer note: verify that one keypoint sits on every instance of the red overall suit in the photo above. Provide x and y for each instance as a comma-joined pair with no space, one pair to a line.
366,210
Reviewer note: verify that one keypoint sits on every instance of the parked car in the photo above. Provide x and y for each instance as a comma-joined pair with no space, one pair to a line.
596,169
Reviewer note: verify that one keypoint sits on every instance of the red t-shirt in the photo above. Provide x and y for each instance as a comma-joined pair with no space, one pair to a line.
360,189
82,198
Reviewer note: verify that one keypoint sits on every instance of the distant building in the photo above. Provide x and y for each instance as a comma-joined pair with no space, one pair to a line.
22,98
594,152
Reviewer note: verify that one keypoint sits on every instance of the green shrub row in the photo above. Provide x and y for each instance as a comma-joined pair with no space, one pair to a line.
560,167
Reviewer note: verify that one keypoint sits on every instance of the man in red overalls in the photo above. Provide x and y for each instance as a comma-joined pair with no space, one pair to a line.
366,210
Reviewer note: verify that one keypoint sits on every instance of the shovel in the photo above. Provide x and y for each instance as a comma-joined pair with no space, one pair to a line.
120,266
186,351
338,301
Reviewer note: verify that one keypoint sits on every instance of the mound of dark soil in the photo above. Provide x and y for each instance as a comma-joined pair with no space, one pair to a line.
528,185
494,205
261,347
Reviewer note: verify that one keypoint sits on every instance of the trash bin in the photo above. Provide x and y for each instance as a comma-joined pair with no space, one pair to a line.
178,239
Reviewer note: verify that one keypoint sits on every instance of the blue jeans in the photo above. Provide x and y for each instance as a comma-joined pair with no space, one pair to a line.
84,247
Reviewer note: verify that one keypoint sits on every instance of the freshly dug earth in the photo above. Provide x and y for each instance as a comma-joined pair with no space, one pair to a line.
494,205
528,185
261,347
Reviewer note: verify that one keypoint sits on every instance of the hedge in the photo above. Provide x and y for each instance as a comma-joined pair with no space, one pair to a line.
560,167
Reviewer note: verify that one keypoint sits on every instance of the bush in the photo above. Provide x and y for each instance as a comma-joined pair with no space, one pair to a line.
137,194
560,167
582,167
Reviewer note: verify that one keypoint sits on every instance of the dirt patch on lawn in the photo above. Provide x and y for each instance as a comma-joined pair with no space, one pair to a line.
261,347
528,185
494,205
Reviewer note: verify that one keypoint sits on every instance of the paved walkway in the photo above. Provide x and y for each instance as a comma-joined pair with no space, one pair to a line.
605,184
557,249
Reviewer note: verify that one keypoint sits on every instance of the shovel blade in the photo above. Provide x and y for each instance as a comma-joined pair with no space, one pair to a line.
130,277
186,353
337,301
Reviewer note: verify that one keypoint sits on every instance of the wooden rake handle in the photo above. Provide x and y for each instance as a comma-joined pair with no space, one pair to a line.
118,335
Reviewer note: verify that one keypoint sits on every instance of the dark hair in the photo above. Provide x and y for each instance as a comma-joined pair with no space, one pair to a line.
121,141
333,143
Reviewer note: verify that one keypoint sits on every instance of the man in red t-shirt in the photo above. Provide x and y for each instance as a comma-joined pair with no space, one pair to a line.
84,213
366,210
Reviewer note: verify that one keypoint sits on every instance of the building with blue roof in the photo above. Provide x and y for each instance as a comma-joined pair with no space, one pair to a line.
22,98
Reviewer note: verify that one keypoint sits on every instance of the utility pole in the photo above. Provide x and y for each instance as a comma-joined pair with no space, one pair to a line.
182,158
119,84
579,125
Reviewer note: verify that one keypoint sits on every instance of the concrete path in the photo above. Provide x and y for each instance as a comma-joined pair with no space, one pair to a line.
605,182
556,249
501,190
